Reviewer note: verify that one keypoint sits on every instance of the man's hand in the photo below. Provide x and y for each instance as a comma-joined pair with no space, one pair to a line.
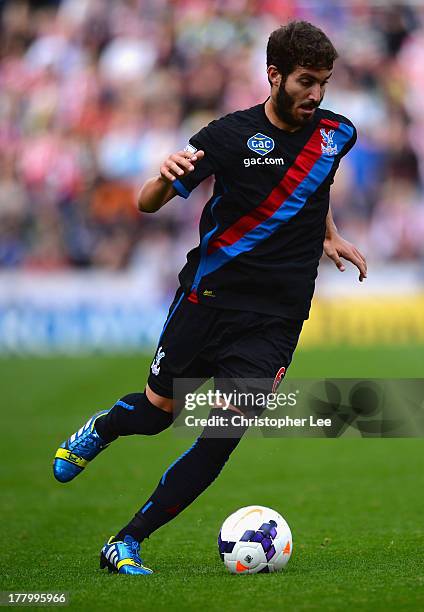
158,190
336,247
179,164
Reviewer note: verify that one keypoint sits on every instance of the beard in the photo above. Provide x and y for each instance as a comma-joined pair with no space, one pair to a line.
284,109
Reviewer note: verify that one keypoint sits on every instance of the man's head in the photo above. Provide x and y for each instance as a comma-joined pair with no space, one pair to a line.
300,61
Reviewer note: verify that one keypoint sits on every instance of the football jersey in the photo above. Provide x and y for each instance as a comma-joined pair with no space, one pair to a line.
262,231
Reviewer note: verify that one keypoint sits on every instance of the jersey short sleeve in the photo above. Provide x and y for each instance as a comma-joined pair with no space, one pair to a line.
206,140
347,147
350,142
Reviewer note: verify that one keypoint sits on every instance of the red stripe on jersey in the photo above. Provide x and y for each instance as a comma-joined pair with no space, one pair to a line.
300,169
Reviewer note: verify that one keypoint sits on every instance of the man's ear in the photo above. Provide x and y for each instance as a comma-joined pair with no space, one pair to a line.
274,76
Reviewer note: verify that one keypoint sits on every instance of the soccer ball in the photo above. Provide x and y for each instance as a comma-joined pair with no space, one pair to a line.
255,540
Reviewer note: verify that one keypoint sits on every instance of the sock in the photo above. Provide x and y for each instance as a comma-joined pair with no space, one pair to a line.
184,480
132,414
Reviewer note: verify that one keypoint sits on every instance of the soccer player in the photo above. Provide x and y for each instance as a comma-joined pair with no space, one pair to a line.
247,287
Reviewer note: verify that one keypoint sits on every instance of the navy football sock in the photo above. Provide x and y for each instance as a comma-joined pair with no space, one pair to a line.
184,480
132,414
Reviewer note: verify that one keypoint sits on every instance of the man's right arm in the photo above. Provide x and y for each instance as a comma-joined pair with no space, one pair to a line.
158,190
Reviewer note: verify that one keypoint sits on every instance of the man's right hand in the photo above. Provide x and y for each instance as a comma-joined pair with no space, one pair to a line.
179,164
158,191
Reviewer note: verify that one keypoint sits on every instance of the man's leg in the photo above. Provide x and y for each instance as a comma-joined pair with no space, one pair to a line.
198,467
185,479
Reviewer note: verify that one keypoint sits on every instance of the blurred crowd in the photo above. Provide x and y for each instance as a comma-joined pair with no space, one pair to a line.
94,94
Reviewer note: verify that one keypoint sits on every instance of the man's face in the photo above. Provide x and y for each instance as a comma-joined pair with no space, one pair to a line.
300,94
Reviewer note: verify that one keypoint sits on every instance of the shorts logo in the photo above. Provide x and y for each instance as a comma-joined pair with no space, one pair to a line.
156,362
278,378
259,143
327,144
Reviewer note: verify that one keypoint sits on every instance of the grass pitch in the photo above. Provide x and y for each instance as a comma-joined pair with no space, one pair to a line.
354,505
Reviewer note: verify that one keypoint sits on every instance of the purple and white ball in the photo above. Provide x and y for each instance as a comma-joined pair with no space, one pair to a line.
254,540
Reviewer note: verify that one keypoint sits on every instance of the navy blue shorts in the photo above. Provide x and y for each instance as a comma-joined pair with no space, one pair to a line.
200,342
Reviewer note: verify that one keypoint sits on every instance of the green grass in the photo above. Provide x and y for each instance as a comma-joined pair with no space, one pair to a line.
354,505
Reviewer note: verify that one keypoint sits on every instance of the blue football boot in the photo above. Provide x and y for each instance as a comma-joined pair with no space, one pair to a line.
76,452
123,557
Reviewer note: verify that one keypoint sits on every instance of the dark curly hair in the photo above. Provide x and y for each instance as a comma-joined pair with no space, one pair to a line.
299,43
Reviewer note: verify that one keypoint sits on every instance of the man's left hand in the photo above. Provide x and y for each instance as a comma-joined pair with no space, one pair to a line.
336,247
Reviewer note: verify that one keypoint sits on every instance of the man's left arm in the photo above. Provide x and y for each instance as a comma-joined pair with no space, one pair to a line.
336,247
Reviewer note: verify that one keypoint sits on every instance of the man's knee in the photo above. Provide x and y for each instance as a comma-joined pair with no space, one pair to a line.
164,403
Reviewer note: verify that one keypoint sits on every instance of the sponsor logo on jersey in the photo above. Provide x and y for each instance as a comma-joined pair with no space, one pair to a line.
209,293
259,143
267,161
155,368
327,145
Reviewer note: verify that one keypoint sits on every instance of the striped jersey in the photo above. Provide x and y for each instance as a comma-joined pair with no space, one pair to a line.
262,231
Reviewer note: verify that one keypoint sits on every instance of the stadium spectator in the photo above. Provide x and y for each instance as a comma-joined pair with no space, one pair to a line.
83,121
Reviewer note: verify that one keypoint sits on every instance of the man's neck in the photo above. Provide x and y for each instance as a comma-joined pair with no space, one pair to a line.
273,117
